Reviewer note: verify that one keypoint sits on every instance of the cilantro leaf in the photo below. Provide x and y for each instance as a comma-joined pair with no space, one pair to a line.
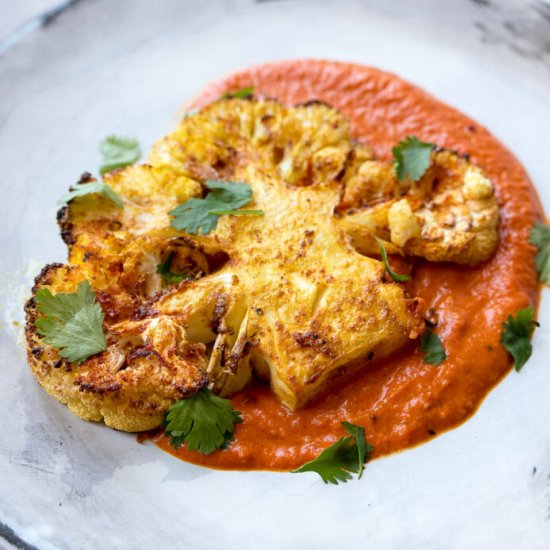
412,158
118,152
242,93
82,189
431,345
202,215
540,237
164,270
237,212
337,462
72,322
363,449
204,421
517,334
395,276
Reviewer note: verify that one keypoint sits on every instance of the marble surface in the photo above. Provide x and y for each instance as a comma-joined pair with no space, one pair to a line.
127,66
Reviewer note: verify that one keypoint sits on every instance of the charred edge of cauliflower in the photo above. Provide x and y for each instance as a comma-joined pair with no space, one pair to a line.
449,215
131,384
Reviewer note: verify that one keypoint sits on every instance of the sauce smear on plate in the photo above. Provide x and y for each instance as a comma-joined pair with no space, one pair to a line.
400,401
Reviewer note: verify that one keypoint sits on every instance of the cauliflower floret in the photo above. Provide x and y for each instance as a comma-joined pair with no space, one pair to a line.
451,213
402,223
476,185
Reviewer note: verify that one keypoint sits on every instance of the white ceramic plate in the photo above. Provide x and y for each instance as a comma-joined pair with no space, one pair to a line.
126,67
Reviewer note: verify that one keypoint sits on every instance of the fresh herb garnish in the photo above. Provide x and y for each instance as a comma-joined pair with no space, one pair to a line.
395,276
204,421
236,212
431,345
91,188
118,152
242,93
412,158
202,215
516,336
540,237
73,323
337,462
164,270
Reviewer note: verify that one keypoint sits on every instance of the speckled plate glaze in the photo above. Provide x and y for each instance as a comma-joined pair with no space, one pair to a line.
127,67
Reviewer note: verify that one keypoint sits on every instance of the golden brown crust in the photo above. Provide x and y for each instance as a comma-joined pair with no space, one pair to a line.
449,215
286,294
130,386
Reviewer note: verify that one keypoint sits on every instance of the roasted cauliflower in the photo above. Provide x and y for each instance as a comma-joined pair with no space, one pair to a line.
449,215
291,296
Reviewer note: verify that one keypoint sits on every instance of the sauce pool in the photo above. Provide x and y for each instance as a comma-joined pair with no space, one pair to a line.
400,401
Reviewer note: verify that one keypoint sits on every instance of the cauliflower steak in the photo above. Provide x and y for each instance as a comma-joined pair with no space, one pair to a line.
293,295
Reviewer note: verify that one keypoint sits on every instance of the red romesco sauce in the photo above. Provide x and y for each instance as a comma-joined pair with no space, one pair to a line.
400,400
